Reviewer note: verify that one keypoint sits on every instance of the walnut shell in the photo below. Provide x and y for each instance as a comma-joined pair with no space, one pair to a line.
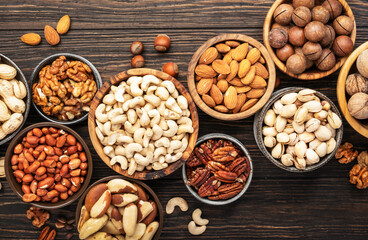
358,106
356,83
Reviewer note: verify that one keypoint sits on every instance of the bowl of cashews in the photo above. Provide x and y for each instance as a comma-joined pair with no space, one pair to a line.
143,123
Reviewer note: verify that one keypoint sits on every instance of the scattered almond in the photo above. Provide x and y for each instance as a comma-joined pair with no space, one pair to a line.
205,71
221,66
208,100
31,39
230,98
216,94
204,85
63,25
52,37
222,48
208,56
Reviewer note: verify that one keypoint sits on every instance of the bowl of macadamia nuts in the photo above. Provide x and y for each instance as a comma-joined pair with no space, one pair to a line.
15,99
352,90
143,123
309,39
299,129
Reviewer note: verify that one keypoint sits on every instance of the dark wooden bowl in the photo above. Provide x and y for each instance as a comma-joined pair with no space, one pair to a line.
313,73
151,193
123,76
192,83
361,126
17,187
27,100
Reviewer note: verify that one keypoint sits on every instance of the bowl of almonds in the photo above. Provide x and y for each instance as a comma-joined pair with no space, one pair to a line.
231,76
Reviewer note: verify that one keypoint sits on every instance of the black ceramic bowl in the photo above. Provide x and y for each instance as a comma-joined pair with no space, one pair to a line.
48,61
20,77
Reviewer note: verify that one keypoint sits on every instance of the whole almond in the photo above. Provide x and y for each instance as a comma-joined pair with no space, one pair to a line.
258,82
248,104
253,55
208,100
208,56
221,66
243,89
228,58
232,44
221,108
261,60
221,76
223,85
205,71
31,39
256,93
236,82
52,37
222,48
234,67
204,85
240,52
216,94
250,76
241,100
63,25
197,78
244,68
230,98
261,70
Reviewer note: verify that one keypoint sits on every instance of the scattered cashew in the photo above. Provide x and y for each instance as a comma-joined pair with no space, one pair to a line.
176,201
196,215
194,229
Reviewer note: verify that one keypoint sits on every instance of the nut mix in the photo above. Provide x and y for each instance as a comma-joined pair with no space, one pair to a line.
217,169
118,208
50,164
300,129
65,89
231,76
321,31
144,123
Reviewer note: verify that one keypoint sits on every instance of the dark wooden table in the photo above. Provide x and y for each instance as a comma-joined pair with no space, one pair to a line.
317,205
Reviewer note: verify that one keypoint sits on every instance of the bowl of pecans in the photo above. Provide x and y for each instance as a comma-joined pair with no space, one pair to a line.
219,170
63,86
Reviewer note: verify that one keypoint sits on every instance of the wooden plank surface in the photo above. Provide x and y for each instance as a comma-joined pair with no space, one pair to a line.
317,205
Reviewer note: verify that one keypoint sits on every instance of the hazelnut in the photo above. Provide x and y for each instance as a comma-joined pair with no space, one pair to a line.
329,36
343,25
305,3
277,25
136,48
296,36
315,31
162,43
334,7
285,52
301,16
299,50
327,60
278,38
356,83
312,50
343,46
171,68
137,61
282,14
320,14
296,64
362,63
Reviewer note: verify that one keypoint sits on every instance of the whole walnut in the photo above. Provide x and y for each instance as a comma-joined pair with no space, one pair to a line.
358,106
356,83
362,63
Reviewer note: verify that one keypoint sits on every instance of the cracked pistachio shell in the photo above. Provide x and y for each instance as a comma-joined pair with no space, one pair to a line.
298,128
269,141
309,117
269,131
287,160
321,115
289,128
312,125
293,139
334,120
280,123
326,105
306,137
300,163
331,145
291,150
314,144
311,157
278,151
301,115
270,118
282,137
313,106
306,95
288,111
323,134
277,106
321,150
289,98
300,149
333,131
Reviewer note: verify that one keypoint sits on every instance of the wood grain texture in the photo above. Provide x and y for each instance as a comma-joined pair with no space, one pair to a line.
278,205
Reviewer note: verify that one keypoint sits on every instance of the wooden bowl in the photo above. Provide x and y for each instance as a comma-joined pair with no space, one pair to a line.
361,126
192,83
17,187
151,193
313,73
123,76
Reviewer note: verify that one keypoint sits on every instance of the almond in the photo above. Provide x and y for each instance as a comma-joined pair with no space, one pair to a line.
223,48
221,66
204,85
63,24
234,67
216,94
232,44
205,71
241,100
52,37
230,98
236,82
221,76
197,78
258,82
255,93
244,68
261,60
228,58
208,100
249,77
208,56
243,89
240,52
253,55
248,104
31,39
221,108
261,70
223,85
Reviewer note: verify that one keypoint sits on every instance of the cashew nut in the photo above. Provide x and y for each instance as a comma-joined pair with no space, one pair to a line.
158,166
148,107
162,93
138,135
128,127
114,113
173,158
151,90
144,118
175,144
99,134
124,139
137,101
173,129
121,160
182,102
169,114
134,79
131,148
100,115
194,230
157,132
119,94
155,117
176,201
134,88
141,160
109,99
147,137
139,168
162,142
147,80
119,150
109,151
158,152
169,86
119,120
152,99
184,145
185,129
196,215
132,116
173,105
132,166
107,128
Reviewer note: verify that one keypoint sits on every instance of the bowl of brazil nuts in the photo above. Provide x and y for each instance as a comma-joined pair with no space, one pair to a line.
63,86
120,207
299,129
48,165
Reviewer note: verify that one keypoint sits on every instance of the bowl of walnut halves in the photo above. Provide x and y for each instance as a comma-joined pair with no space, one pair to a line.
63,86
219,170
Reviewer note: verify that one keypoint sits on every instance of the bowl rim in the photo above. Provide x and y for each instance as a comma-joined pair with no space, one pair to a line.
143,175
49,60
270,82
14,185
258,124
282,66
241,146
149,190
27,101
341,90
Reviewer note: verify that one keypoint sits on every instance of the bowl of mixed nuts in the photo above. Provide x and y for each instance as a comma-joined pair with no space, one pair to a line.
231,76
299,129
219,170
63,86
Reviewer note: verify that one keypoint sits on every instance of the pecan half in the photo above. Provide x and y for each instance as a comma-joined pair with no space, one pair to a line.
225,154
239,165
225,176
199,177
216,166
210,186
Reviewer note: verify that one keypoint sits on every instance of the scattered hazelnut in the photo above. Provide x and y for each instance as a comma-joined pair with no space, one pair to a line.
315,31
329,36
171,68
312,50
296,64
299,50
137,61
362,63
305,3
278,38
162,43
282,14
343,25
136,48
343,46
296,36
301,16
356,83
277,25
327,60
285,52
334,7
320,14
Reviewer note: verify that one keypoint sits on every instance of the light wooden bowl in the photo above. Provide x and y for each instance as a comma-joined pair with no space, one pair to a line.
262,101
313,73
361,126
123,76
